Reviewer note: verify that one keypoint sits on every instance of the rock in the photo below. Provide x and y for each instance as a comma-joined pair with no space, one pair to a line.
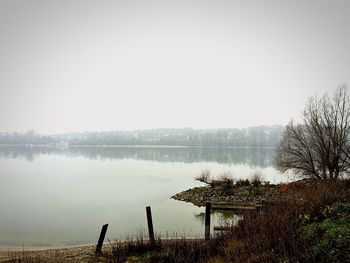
236,194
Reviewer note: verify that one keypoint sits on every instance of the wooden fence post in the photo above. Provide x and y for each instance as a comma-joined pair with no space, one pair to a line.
150,225
101,239
207,220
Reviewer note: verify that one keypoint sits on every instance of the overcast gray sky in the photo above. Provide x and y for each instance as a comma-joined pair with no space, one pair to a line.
121,65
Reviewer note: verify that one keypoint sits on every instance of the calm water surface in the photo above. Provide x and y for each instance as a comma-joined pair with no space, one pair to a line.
54,198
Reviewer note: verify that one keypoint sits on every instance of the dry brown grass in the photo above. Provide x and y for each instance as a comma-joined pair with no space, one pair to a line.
274,236
204,176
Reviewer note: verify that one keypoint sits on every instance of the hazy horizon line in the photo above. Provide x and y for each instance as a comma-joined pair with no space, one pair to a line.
140,130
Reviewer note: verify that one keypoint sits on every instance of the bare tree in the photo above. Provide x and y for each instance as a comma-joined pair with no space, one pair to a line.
319,148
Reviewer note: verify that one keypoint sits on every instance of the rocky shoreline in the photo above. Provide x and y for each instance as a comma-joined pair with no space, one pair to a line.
236,195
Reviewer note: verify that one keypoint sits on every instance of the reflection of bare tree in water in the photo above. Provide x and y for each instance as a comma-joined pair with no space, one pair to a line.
225,217
259,157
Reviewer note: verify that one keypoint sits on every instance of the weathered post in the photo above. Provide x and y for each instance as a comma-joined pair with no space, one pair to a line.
101,239
207,220
150,225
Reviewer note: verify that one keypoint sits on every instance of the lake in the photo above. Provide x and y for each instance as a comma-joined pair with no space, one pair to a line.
61,197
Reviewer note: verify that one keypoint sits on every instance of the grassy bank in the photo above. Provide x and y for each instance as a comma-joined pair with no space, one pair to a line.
313,228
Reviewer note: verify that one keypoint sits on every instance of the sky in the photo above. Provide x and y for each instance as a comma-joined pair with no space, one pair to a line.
101,65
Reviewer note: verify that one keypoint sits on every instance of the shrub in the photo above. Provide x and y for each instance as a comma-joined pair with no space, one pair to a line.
242,182
316,197
257,178
225,180
204,177
329,240
293,187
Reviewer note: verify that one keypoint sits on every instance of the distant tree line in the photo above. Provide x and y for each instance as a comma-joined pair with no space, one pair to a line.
29,137
261,136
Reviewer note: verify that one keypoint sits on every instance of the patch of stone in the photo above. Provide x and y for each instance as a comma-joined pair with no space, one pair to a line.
235,195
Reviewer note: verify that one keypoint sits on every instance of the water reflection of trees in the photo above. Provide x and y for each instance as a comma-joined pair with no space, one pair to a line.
261,157
224,217
21,152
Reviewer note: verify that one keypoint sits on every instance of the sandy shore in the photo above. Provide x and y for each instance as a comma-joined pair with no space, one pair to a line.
72,254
